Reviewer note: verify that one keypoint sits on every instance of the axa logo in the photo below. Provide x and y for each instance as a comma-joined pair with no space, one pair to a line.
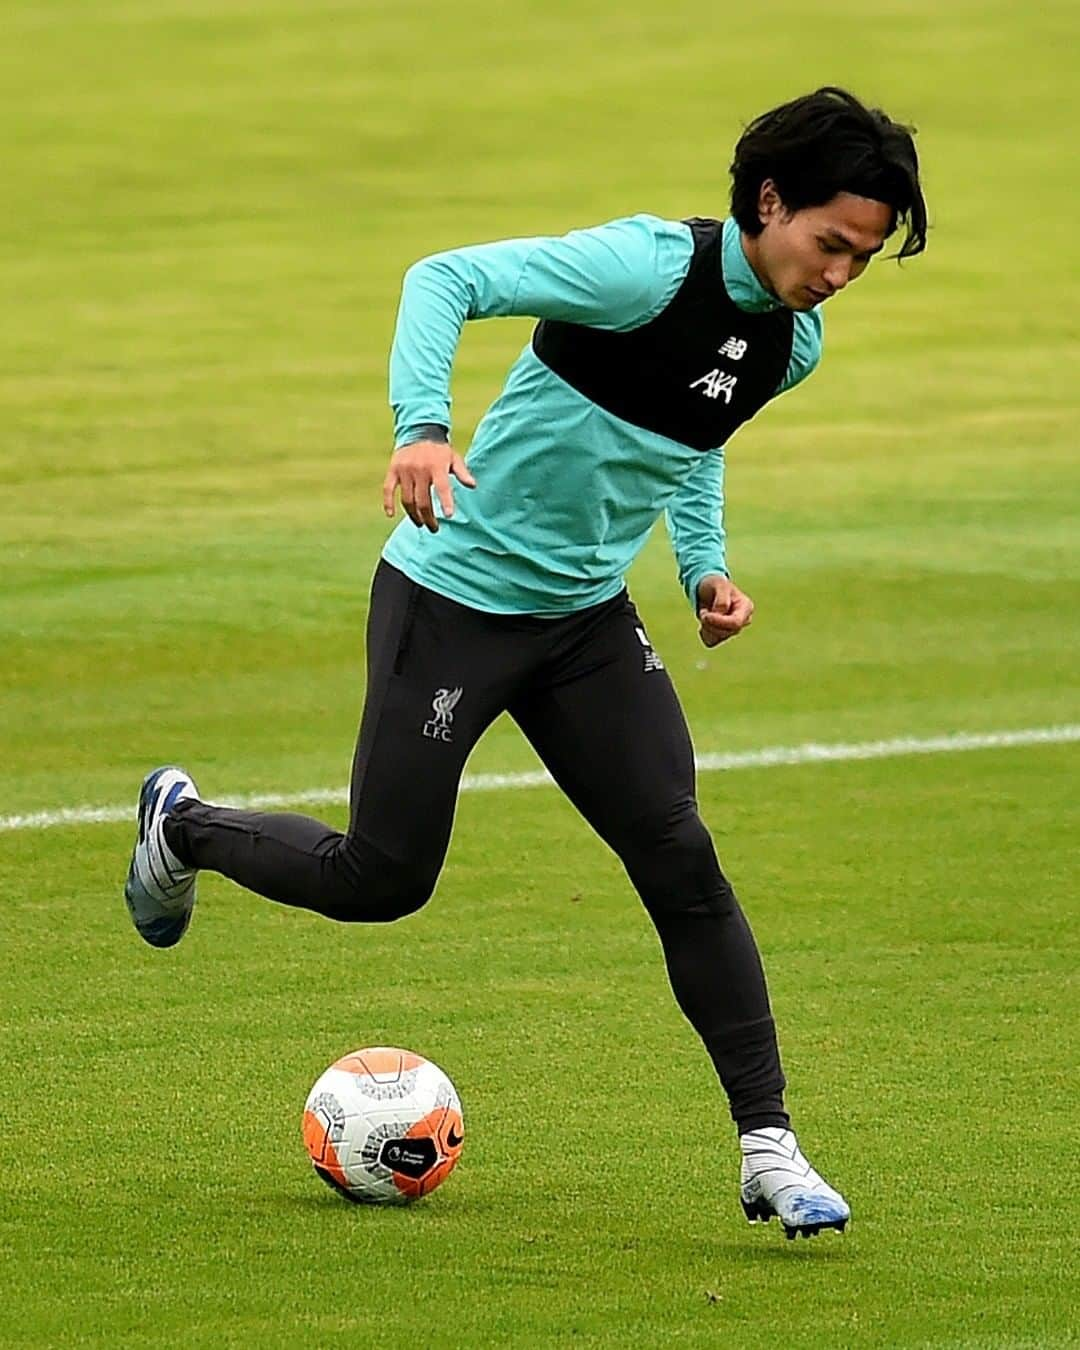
717,381
442,705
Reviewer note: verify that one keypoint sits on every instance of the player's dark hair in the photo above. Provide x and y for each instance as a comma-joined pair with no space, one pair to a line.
824,143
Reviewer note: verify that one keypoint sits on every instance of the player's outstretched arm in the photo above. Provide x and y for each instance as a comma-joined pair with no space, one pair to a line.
611,276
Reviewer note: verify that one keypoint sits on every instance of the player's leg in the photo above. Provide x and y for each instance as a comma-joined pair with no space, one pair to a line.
610,729
416,733
608,725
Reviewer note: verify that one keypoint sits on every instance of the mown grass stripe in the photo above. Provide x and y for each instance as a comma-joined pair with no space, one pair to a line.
811,752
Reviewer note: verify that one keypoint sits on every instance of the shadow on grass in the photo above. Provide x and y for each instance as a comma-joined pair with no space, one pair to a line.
821,1248
755,1249
319,1198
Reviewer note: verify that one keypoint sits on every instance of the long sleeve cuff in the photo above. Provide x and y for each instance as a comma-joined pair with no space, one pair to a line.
423,431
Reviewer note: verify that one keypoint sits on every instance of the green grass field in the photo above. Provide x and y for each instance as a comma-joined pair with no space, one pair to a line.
208,212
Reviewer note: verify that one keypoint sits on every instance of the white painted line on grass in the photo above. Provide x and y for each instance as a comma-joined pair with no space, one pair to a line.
809,753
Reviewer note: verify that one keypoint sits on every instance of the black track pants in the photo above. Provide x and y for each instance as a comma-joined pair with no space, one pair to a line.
591,696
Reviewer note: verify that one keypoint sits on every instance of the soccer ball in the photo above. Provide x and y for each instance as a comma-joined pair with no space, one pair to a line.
383,1126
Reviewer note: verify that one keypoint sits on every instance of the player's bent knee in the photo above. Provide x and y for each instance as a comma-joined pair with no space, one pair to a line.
400,903
672,863
374,903
375,888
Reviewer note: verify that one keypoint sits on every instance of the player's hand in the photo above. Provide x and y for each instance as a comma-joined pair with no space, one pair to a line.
723,609
417,469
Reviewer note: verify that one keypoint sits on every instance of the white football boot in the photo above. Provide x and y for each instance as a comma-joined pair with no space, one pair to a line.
777,1179
160,890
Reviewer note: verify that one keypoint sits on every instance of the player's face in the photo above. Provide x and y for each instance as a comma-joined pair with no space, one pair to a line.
804,257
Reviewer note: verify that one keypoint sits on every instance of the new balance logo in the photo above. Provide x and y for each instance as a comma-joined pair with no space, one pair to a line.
652,660
735,348
442,705
717,382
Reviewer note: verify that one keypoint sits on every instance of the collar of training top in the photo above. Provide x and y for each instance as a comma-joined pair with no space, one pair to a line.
739,277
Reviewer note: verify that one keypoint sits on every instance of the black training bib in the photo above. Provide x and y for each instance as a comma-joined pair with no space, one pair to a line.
695,373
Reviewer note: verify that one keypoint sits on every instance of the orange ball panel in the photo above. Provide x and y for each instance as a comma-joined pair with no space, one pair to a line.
378,1061
320,1147
445,1126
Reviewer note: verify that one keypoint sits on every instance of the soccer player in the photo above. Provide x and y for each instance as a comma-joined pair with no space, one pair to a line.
656,340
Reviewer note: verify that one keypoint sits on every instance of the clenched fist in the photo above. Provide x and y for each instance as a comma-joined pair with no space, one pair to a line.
723,609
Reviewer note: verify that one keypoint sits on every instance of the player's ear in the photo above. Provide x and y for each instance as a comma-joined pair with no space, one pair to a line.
769,203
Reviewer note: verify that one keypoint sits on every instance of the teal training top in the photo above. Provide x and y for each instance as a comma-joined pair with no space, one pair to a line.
566,492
